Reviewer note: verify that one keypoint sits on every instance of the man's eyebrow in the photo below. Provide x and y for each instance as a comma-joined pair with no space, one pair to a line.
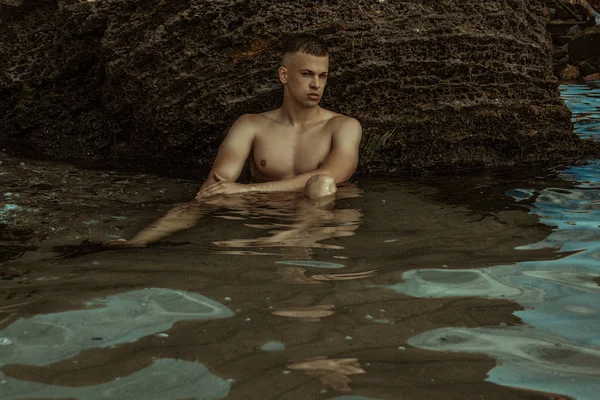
308,70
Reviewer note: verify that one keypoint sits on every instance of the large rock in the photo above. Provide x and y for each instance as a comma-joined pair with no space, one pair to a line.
584,51
436,84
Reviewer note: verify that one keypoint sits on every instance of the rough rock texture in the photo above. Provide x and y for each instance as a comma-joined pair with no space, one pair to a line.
584,51
437,84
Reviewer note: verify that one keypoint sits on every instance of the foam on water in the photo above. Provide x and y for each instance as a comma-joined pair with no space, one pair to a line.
559,350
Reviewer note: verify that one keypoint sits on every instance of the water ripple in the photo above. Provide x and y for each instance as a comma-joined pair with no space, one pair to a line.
559,349
45,339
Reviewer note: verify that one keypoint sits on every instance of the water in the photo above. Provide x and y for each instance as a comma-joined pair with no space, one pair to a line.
279,299
558,350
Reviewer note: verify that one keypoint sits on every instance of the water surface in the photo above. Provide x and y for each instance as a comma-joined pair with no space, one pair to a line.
277,298
558,348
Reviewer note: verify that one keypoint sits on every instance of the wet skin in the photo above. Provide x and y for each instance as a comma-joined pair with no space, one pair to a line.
288,146
299,147
309,214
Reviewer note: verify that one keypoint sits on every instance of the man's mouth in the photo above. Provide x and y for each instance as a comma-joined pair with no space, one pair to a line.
313,96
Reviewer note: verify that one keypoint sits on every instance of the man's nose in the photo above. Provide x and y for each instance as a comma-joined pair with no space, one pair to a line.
314,83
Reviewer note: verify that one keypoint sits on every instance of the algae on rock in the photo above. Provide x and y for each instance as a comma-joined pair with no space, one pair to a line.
458,83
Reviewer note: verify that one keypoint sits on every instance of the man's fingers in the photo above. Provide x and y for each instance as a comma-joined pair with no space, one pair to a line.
221,187
210,191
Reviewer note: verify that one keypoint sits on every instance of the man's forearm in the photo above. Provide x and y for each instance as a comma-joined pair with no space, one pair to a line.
295,184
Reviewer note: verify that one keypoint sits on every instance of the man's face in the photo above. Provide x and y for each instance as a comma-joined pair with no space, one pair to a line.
305,77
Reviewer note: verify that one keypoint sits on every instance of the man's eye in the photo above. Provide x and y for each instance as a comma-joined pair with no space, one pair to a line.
305,74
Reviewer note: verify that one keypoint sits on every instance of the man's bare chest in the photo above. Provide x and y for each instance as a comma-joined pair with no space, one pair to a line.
281,155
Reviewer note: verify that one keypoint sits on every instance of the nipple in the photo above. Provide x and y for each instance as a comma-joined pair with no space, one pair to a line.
263,163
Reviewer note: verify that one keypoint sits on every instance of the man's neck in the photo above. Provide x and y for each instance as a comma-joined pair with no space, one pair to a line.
296,115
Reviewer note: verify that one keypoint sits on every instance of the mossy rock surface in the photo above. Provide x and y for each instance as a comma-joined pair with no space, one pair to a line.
437,85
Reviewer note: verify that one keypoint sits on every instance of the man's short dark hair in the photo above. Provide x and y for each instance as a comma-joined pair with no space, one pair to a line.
307,44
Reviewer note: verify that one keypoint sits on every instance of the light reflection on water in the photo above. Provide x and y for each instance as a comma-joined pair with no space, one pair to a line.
299,224
45,339
583,101
334,373
314,275
174,379
559,351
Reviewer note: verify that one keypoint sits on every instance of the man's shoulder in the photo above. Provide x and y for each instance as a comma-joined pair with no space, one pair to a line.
251,122
248,118
258,118
340,121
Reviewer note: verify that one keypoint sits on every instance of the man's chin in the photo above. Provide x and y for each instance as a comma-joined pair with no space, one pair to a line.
310,104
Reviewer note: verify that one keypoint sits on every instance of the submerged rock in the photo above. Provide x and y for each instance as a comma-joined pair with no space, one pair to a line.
436,85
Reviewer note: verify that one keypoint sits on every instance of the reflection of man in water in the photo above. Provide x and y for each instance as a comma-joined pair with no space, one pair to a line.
297,147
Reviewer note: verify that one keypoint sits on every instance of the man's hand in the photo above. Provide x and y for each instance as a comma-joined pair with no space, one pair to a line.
222,187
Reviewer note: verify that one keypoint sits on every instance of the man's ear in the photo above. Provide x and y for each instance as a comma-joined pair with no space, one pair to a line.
283,75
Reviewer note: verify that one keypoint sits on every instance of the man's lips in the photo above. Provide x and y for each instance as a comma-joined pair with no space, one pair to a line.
313,95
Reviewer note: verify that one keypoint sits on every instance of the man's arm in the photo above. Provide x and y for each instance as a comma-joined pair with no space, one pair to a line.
233,152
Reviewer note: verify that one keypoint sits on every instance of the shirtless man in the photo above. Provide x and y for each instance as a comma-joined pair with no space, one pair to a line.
297,147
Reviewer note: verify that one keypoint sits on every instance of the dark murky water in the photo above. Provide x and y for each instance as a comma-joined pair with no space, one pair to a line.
559,348
400,290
